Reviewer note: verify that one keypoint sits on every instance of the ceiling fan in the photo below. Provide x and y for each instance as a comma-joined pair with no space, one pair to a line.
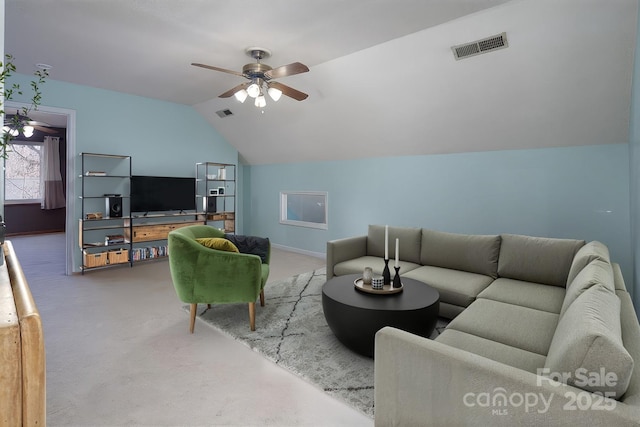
261,77
14,124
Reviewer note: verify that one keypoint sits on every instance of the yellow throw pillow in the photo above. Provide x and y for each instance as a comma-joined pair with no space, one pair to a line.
218,243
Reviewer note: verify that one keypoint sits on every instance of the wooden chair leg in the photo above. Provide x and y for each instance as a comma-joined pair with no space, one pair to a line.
192,323
208,306
262,298
252,316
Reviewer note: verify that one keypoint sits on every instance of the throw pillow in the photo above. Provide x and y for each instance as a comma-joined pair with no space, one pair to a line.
251,245
218,243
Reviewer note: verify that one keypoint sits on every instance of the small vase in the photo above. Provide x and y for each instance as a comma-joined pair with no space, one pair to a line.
386,274
396,278
367,275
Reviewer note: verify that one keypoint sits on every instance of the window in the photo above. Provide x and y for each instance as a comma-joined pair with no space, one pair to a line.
22,172
304,208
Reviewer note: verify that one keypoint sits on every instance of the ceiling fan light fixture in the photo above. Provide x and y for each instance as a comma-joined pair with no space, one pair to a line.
28,131
241,95
11,131
259,76
274,93
253,90
260,101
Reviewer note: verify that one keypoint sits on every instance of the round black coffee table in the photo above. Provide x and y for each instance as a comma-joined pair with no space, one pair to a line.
355,316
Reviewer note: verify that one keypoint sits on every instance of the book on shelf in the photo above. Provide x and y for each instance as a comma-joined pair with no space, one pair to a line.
149,252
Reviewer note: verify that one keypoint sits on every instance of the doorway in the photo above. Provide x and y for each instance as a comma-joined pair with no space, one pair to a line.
63,119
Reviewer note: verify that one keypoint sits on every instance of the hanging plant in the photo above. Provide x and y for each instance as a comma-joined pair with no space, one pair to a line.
17,121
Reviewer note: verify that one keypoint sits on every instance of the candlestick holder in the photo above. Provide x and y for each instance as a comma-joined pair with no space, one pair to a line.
386,274
396,278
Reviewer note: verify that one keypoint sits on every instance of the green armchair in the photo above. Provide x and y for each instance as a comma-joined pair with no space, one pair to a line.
207,276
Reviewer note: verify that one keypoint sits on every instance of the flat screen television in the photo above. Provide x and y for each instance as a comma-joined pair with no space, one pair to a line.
162,193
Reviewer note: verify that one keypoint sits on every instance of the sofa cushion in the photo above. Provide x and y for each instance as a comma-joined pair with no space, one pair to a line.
597,272
525,294
521,327
456,287
449,311
588,340
218,243
493,350
589,252
357,265
409,242
466,252
537,259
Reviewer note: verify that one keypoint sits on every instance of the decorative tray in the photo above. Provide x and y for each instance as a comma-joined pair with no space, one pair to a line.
386,289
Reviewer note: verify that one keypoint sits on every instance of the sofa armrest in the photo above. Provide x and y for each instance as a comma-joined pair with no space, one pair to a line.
343,250
423,382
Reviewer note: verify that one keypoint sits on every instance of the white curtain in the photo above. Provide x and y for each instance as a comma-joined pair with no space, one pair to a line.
51,178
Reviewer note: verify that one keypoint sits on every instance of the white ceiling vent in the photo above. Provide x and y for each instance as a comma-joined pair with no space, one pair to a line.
224,113
480,46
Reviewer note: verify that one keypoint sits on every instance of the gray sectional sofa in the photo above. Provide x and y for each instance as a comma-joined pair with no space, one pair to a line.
542,331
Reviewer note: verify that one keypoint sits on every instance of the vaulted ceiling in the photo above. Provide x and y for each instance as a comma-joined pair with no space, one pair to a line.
383,80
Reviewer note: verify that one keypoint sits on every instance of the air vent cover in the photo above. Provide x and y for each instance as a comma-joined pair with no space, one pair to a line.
224,113
480,46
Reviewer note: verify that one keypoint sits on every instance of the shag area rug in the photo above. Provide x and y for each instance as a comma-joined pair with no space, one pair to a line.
292,332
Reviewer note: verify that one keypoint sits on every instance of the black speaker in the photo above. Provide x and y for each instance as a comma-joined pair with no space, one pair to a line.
211,204
113,206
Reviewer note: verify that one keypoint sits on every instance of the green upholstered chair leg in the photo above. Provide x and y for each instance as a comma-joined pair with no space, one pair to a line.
262,298
192,312
252,316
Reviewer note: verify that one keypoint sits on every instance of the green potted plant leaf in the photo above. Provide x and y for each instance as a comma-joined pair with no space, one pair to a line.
17,122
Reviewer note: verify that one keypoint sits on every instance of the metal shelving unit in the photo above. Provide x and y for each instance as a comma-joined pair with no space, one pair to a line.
216,194
105,188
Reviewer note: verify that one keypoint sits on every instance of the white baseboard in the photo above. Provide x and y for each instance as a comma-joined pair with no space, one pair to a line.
300,251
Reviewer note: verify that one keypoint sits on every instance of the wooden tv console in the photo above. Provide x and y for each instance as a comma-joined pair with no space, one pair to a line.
155,231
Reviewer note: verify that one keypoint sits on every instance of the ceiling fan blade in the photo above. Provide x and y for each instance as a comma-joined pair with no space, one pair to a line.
44,129
36,123
230,92
289,91
224,70
286,70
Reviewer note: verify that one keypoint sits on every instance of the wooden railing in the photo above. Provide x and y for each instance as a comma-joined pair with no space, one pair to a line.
22,354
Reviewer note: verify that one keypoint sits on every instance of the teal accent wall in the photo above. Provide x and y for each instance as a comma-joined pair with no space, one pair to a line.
634,165
576,192
163,138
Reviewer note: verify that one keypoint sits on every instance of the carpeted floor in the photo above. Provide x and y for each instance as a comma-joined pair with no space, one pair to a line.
292,332
119,352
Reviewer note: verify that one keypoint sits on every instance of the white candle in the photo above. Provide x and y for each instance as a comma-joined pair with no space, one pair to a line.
397,252
386,242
